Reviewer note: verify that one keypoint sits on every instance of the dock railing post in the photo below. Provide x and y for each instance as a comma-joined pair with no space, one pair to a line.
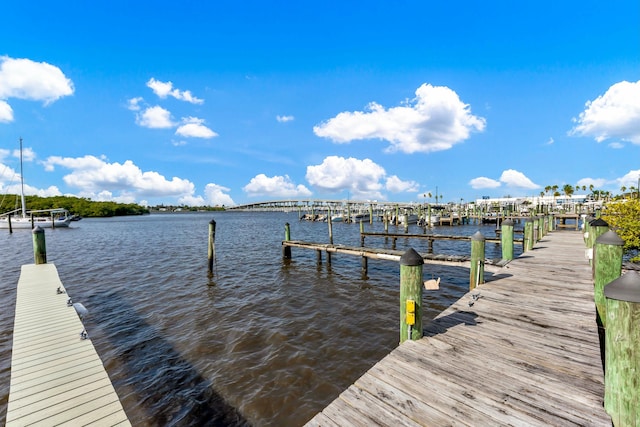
411,295
39,246
622,349
527,244
597,228
507,239
476,273
286,250
607,267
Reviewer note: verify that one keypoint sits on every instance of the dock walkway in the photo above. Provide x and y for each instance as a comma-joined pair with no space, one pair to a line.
57,378
524,352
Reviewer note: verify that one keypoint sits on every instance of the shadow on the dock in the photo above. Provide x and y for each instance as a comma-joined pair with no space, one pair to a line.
442,324
159,382
497,276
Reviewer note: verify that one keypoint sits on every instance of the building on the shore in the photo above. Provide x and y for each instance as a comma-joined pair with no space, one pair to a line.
525,203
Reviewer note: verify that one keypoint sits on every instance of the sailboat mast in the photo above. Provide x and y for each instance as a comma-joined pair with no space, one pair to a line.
24,205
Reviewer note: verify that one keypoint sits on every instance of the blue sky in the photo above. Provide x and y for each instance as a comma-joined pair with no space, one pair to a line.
226,103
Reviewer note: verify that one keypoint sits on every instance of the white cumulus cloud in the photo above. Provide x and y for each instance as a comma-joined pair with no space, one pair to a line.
616,114
362,178
164,89
6,112
434,120
23,78
194,127
396,185
275,186
483,182
216,195
510,177
92,175
38,81
513,178
155,118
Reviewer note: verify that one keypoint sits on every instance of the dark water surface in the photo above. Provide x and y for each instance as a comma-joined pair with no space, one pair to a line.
263,342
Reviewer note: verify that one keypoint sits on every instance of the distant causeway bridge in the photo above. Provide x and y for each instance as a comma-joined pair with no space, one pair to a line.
321,205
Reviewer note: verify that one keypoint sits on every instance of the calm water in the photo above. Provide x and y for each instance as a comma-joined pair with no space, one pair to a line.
263,342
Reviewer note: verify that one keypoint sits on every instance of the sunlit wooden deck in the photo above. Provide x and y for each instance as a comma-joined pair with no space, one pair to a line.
57,378
526,352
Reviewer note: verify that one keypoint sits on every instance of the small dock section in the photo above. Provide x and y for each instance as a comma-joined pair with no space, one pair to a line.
522,349
57,378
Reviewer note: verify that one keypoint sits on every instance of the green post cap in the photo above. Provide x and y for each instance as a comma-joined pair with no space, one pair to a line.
599,222
508,222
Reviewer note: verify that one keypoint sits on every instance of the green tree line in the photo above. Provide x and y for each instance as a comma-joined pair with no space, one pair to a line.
75,205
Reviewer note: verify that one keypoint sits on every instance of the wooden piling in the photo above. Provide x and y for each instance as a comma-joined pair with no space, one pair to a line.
411,295
39,246
211,248
607,267
596,229
622,389
9,221
507,239
527,244
476,273
286,250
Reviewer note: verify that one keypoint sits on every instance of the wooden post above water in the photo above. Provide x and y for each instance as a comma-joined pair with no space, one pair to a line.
411,295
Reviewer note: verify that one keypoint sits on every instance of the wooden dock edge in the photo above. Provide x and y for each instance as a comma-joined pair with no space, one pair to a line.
56,376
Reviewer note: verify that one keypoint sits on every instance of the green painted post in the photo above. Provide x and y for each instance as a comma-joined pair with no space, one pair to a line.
39,246
622,349
507,239
361,233
286,250
596,229
476,273
607,267
410,295
528,235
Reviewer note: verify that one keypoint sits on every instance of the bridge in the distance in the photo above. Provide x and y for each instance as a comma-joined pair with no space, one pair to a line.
323,205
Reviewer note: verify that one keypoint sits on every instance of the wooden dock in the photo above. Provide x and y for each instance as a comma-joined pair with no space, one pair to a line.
491,265
57,378
522,349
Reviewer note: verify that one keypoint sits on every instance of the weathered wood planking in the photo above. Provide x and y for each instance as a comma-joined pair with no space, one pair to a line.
525,352
56,377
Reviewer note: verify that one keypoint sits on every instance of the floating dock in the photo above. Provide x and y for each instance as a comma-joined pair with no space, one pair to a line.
522,349
57,378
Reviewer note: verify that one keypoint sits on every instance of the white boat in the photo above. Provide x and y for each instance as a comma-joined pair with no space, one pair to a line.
362,216
407,219
433,220
21,219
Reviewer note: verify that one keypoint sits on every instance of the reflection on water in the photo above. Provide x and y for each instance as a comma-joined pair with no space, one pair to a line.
263,342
